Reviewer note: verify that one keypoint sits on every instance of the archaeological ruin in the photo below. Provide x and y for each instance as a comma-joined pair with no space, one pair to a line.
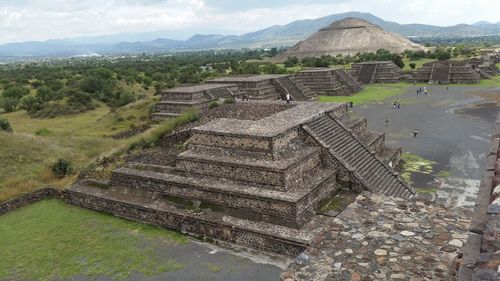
253,182
486,66
376,72
174,102
447,72
303,86
328,81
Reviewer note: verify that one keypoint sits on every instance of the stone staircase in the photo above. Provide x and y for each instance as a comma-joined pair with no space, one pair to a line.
366,73
350,151
350,81
289,87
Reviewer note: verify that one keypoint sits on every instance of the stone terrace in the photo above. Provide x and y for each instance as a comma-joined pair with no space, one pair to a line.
256,87
173,102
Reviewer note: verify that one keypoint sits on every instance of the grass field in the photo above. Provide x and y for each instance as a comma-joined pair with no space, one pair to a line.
418,63
27,154
494,81
371,93
50,240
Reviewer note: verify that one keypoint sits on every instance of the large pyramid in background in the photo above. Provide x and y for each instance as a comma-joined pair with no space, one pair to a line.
349,37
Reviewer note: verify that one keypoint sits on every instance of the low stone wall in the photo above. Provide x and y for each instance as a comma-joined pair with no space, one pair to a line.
481,260
28,199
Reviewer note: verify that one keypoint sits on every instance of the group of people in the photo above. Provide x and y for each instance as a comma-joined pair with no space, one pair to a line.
420,90
396,104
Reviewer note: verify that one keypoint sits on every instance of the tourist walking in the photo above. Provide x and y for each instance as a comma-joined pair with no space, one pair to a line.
394,104
415,132
287,98
399,105
386,121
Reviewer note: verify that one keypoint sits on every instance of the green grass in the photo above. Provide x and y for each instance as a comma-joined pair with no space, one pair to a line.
426,190
498,65
50,240
493,82
371,93
418,63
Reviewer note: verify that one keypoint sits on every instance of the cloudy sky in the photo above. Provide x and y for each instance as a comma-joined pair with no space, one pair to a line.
26,20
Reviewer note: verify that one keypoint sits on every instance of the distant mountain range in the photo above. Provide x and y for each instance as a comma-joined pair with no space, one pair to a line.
274,36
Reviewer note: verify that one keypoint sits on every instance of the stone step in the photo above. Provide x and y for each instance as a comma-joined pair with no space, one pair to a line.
197,223
160,116
280,174
291,208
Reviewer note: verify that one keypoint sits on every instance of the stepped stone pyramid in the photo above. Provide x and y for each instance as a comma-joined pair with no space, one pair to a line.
349,37
303,86
376,72
486,66
448,72
173,102
255,183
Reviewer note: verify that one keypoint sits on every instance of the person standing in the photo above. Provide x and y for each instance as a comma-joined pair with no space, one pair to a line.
287,98
415,132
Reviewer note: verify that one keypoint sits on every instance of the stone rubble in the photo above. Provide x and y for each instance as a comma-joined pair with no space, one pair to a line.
386,238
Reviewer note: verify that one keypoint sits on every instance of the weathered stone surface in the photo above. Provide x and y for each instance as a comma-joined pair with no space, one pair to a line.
385,253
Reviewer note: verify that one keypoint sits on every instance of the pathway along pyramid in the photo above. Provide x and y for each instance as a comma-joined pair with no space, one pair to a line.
349,37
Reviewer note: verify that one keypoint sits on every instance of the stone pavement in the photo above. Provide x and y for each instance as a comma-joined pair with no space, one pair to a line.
385,238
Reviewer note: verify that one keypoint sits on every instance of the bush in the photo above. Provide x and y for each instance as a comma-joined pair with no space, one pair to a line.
213,104
43,132
8,104
413,65
229,100
62,168
5,125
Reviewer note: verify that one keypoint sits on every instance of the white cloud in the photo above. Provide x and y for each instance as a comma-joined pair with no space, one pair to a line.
48,19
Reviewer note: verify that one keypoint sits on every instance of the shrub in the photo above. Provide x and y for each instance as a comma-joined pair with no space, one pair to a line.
43,132
62,168
8,104
229,100
124,98
5,125
213,104
413,65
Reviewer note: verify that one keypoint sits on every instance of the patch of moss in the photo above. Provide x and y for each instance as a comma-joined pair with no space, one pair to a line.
443,174
335,204
214,268
415,164
426,190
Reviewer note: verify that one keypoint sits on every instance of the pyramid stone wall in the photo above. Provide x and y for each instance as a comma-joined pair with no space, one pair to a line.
328,81
379,72
447,72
